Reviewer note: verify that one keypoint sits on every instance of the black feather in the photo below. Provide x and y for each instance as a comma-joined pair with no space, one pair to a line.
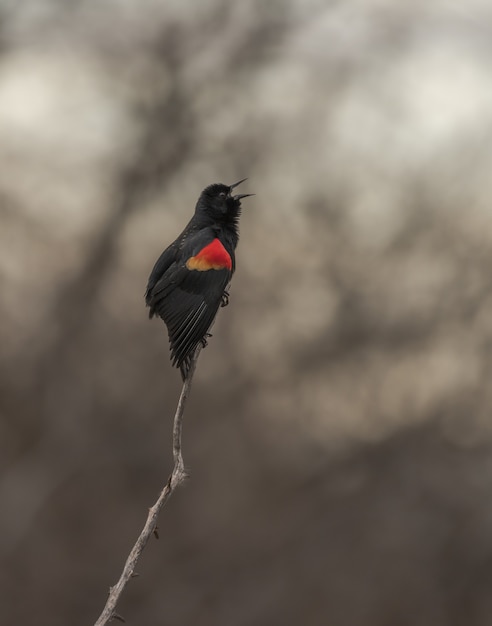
187,298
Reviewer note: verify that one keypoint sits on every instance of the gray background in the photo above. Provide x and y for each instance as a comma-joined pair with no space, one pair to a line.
338,434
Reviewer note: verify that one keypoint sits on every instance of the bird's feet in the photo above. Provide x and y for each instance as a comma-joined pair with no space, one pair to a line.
225,299
204,340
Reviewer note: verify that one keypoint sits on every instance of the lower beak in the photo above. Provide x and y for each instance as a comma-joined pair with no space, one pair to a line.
243,195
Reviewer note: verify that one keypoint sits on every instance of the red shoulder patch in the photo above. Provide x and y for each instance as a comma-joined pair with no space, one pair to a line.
212,257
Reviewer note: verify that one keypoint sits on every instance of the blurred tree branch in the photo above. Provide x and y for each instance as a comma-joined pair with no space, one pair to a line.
177,477
168,132
153,161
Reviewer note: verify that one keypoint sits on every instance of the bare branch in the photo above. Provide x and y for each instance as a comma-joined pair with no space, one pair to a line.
177,477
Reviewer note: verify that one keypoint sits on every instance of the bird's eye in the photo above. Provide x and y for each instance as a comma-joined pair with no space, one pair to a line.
222,194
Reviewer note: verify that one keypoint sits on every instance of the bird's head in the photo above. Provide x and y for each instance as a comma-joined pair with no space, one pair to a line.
216,201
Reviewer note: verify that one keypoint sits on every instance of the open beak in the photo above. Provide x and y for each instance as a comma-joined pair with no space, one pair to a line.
241,195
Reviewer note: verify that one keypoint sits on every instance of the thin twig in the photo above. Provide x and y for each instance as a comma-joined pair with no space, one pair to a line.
177,477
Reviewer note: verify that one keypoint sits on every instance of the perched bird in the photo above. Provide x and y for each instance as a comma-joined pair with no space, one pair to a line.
190,279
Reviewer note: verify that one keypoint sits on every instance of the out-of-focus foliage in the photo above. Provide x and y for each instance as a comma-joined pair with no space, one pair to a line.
339,430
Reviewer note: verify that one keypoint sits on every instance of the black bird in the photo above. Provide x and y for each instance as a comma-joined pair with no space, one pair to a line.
190,279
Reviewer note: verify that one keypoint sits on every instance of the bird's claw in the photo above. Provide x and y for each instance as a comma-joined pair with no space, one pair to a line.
225,299
204,340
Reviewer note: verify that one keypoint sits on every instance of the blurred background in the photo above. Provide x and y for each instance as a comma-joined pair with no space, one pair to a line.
338,435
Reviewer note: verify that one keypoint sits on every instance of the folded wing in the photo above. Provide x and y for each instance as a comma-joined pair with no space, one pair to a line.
188,301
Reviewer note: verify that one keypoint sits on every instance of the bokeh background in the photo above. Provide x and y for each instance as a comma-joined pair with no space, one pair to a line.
339,433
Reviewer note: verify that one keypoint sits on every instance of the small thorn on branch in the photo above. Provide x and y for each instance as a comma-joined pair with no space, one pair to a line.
155,532
118,617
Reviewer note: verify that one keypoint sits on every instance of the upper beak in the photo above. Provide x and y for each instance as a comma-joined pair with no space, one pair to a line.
241,195
236,184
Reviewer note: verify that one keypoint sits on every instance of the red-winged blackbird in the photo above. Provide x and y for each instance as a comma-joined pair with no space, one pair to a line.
189,280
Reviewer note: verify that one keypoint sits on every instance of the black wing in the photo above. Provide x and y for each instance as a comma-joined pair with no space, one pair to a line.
163,264
188,301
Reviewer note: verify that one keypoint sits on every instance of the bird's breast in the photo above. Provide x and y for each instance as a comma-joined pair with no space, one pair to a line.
211,257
